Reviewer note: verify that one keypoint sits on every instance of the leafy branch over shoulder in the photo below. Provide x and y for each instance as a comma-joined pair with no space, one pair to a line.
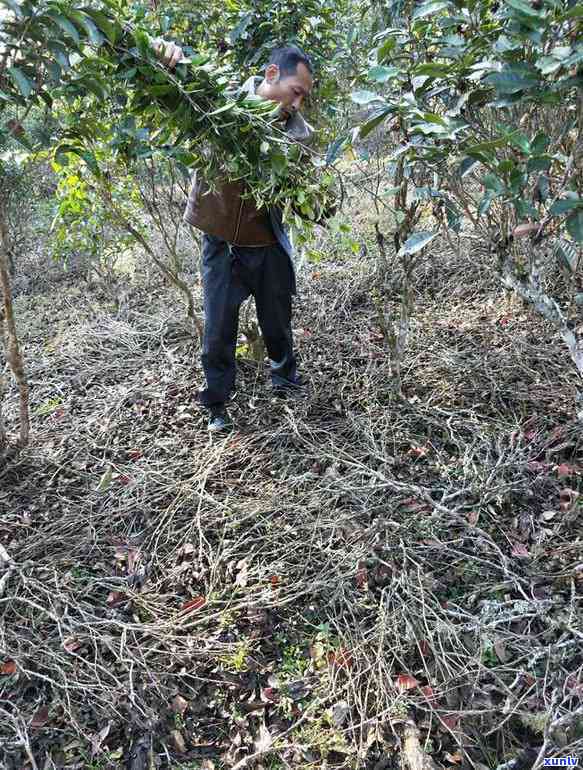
102,56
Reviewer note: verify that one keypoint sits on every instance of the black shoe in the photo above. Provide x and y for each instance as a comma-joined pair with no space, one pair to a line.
284,387
219,420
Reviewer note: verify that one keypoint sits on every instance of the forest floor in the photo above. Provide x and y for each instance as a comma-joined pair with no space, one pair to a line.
345,581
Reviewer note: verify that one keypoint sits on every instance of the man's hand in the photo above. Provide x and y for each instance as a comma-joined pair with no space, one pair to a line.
169,53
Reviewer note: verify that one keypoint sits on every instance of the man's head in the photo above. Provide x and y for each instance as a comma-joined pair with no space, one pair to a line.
288,79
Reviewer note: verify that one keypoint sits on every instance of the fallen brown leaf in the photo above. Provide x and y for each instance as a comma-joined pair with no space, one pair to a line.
178,741
71,644
115,598
179,704
194,604
429,693
270,694
8,668
566,471
362,577
40,718
451,721
520,231
406,682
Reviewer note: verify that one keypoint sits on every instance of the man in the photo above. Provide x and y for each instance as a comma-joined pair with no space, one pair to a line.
247,251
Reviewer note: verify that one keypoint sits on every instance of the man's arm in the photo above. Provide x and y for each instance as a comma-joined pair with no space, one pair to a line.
169,53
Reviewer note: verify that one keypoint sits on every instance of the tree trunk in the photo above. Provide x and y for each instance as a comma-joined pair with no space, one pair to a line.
10,342
530,291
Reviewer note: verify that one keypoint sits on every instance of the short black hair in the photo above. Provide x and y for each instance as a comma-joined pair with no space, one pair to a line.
287,58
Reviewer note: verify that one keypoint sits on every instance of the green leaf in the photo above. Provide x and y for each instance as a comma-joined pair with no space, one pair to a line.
67,26
60,54
485,203
540,143
128,74
381,74
547,65
575,12
93,86
224,108
373,122
485,147
89,158
161,89
431,68
524,209
24,85
539,163
521,141
575,226
543,187
493,184
467,166
453,215
105,481
512,79
567,204
365,97
335,150
430,7
386,49
523,7
88,25
505,44
416,242
106,26
566,253
575,58
420,81
278,163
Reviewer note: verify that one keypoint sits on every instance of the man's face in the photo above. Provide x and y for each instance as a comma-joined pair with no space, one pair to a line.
289,90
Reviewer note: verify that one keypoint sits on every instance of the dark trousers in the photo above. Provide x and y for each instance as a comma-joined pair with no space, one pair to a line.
231,274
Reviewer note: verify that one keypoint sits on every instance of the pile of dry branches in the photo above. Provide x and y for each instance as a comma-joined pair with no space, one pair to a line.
348,580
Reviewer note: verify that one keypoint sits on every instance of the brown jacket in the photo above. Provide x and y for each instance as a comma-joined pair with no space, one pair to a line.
223,212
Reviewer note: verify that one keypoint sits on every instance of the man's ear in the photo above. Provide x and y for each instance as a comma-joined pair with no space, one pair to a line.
272,73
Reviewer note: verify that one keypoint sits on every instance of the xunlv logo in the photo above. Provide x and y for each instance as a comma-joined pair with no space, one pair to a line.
561,761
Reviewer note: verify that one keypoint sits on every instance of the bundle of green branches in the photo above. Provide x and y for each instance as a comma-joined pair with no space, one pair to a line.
102,56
